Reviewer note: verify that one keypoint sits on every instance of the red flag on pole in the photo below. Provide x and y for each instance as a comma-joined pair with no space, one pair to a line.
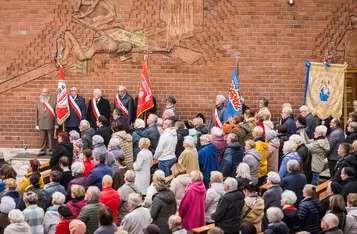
62,109
145,100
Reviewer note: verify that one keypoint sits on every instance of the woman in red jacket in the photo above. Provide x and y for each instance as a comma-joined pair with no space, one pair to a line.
66,217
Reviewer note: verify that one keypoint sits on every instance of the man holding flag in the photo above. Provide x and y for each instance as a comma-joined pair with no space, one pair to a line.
145,100
217,119
45,121
77,110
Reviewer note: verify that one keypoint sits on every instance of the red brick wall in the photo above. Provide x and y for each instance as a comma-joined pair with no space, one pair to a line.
273,37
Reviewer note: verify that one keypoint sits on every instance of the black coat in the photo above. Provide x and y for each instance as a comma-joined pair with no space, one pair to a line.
163,206
180,137
290,125
351,137
277,228
128,102
309,216
272,198
229,211
4,222
14,194
347,161
350,187
153,135
310,125
232,156
104,132
333,230
65,178
73,120
87,138
282,139
295,182
306,158
291,218
103,108
64,148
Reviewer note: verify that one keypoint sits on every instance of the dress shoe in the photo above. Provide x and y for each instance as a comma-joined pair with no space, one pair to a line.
41,154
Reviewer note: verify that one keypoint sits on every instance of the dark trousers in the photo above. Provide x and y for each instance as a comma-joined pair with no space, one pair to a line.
46,137
331,167
68,129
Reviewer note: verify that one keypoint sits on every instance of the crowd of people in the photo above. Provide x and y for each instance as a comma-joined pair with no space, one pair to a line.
164,175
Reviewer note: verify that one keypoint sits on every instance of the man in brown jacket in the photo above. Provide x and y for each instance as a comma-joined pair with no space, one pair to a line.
45,121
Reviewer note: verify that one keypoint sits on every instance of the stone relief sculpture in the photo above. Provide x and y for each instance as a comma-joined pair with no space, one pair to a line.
348,44
182,18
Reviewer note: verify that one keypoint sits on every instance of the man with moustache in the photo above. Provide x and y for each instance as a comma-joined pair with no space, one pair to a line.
97,106
77,109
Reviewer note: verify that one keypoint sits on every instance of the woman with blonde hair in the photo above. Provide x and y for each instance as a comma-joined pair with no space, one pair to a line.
243,175
142,165
213,194
192,207
77,201
351,217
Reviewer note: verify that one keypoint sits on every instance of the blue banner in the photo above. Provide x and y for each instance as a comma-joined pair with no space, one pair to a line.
235,100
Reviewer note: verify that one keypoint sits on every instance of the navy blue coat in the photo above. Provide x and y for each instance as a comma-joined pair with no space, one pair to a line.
96,175
207,159
232,156
73,120
153,135
295,182
290,125
309,215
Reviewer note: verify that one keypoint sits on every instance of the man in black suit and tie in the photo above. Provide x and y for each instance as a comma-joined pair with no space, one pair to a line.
77,109
124,104
97,106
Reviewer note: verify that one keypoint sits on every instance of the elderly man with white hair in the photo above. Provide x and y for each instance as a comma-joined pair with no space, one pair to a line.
52,218
304,154
329,224
77,169
291,214
294,180
207,158
336,137
138,218
97,106
289,154
276,226
7,204
87,134
152,132
34,215
189,157
124,104
17,223
288,120
309,118
77,110
228,213
217,118
318,147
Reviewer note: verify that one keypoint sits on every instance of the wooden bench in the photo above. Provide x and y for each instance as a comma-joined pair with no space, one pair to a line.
321,190
263,189
203,229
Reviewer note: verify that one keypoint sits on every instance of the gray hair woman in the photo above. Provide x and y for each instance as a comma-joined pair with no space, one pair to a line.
275,215
243,175
7,204
189,157
17,223
291,214
77,169
51,218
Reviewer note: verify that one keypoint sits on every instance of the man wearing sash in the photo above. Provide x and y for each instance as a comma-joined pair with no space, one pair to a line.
124,104
77,108
97,106
217,119
45,121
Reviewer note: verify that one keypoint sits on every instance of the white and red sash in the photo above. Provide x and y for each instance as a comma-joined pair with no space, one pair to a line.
95,108
217,121
120,105
75,107
49,109
163,114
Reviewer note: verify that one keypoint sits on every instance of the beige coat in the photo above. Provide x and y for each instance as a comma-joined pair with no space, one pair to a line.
255,215
189,159
43,119
125,142
273,155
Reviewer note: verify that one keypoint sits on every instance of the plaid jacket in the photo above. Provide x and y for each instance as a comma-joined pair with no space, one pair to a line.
34,217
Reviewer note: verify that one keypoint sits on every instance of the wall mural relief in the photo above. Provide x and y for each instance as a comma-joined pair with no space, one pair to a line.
182,19
348,44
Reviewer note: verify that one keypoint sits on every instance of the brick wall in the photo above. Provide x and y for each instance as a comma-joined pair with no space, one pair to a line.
273,38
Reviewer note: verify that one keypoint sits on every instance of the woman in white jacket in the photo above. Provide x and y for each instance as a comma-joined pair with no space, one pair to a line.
142,165
213,194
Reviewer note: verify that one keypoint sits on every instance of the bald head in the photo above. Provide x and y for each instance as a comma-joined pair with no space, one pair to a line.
174,222
107,181
329,221
44,92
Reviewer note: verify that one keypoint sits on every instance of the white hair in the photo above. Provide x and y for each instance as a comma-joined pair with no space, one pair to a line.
188,140
274,214
122,87
17,216
94,193
139,123
216,131
153,117
85,124
258,131
130,176
287,110
289,146
297,139
206,137
159,122
231,183
77,168
321,129
304,108
331,220
159,174
289,197
286,105
74,135
293,165
7,204
135,199
243,171
58,198
97,91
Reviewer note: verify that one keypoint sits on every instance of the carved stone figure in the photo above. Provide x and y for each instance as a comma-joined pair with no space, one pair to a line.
348,44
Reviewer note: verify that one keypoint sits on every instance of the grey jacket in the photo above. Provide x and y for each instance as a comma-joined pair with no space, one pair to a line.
87,138
51,220
124,192
252,158
18,228
213,196
53,187
336,137
351,221
136,220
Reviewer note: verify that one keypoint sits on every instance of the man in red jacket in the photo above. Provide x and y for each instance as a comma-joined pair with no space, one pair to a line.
110,197
66,217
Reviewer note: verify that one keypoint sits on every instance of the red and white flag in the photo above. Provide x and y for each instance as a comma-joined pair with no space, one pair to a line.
145,100
62,108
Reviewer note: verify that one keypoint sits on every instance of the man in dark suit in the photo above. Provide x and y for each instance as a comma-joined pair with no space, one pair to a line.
77,109
99,107
124,104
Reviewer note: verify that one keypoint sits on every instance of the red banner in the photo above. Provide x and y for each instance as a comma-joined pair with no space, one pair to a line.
145,100
62,108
